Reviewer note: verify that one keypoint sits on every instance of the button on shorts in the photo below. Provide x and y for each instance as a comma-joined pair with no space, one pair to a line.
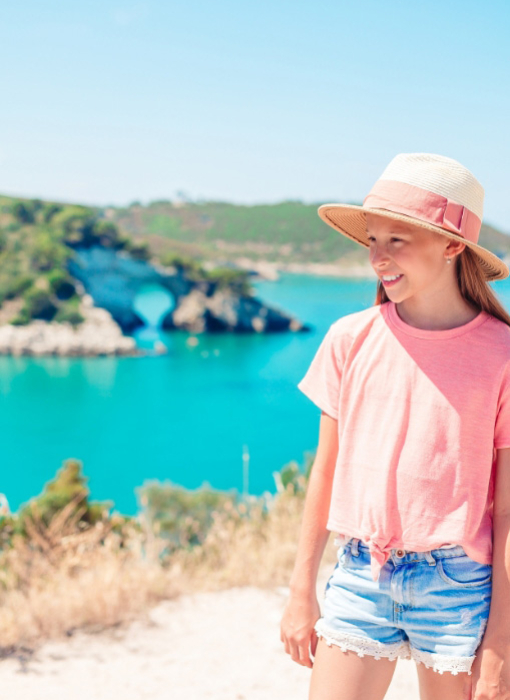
430,606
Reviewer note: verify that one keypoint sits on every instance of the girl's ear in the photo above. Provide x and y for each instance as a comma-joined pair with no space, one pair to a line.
455,247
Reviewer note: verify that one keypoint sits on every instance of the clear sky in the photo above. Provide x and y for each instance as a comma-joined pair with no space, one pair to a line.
107,102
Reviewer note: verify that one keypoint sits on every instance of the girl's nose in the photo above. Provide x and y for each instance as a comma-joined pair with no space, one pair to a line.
377,254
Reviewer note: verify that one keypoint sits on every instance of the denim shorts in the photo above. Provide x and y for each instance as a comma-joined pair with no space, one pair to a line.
430,606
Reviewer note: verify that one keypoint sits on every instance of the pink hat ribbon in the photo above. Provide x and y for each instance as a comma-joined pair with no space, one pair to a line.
428,206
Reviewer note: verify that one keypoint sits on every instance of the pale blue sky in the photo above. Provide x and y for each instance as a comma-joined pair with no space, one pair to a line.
107,102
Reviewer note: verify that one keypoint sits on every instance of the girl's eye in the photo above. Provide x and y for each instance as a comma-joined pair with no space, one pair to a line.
393,238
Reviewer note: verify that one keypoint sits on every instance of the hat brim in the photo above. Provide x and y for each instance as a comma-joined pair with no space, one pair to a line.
350,220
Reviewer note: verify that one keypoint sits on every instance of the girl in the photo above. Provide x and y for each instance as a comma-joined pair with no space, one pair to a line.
412,469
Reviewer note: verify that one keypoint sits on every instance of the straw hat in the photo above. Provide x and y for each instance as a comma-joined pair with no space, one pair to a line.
434,192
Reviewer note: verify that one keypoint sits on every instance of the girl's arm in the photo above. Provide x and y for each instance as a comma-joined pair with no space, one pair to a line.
313,533
498,626
302,609
491,667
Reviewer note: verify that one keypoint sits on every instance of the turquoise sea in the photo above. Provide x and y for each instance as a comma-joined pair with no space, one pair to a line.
186,416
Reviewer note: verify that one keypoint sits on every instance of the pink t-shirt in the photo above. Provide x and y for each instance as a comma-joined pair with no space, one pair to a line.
420,415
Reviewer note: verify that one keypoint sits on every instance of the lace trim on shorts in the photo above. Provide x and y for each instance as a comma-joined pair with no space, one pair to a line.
362,645
441,663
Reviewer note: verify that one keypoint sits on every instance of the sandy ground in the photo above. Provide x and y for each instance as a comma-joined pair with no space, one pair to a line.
219,646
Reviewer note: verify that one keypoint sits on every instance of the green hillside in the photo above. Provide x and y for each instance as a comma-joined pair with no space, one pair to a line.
37,239
287,231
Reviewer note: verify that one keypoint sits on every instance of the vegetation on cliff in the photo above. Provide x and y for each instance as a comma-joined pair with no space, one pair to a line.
37,239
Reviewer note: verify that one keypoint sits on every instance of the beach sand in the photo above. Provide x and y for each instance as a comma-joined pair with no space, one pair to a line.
213,645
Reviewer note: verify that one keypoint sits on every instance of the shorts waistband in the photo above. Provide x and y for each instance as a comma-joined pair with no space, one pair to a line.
405,556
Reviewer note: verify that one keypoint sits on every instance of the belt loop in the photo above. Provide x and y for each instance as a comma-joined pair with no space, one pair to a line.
354,546
430,558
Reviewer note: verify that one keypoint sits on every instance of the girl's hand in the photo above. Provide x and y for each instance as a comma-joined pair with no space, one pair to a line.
490,678
297,627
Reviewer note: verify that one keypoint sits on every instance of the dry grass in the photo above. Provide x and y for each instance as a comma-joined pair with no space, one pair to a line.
256,550
63,577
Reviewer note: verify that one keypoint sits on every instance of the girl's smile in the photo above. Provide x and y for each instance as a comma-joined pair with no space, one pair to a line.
390,281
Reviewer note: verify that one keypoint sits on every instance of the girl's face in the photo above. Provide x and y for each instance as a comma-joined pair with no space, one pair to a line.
418,256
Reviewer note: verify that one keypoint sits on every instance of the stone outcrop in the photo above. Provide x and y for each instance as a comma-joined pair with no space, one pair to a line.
97,335
113,280
109,282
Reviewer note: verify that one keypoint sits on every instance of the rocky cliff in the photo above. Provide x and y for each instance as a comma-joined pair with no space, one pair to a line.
113,279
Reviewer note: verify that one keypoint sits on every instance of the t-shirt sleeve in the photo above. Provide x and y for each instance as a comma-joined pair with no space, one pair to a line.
321,383
502,426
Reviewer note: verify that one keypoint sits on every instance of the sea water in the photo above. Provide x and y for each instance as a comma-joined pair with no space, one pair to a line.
186,416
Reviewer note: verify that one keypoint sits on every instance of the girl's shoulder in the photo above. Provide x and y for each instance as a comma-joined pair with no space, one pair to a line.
354,323
498,325
497,335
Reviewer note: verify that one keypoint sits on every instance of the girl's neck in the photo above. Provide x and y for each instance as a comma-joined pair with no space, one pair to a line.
436,317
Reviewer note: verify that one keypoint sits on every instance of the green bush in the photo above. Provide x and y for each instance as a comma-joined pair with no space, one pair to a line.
17,286
181,516
23,212
237,280
139,250
69,315
12,227
69,484
188,265
76,224
61,284
106,233
21,319
123,242
294,479
39,304
46,252
49,210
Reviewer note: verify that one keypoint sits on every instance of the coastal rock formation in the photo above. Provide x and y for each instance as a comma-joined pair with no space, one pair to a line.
97,335
113,279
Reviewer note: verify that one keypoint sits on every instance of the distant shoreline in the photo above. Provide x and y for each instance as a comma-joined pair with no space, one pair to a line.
269,270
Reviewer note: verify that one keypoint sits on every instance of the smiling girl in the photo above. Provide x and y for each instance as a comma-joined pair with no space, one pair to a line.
412,470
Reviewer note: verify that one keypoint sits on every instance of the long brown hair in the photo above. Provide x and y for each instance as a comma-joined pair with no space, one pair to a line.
472,284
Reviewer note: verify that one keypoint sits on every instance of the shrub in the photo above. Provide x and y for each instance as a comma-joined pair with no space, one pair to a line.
61,284
106,233
292,479
49,211
181,262
39,304
12,227
46,252
69,315
139,250
17,286
237,280
23,212
181,516
76,223
68,486
22,319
